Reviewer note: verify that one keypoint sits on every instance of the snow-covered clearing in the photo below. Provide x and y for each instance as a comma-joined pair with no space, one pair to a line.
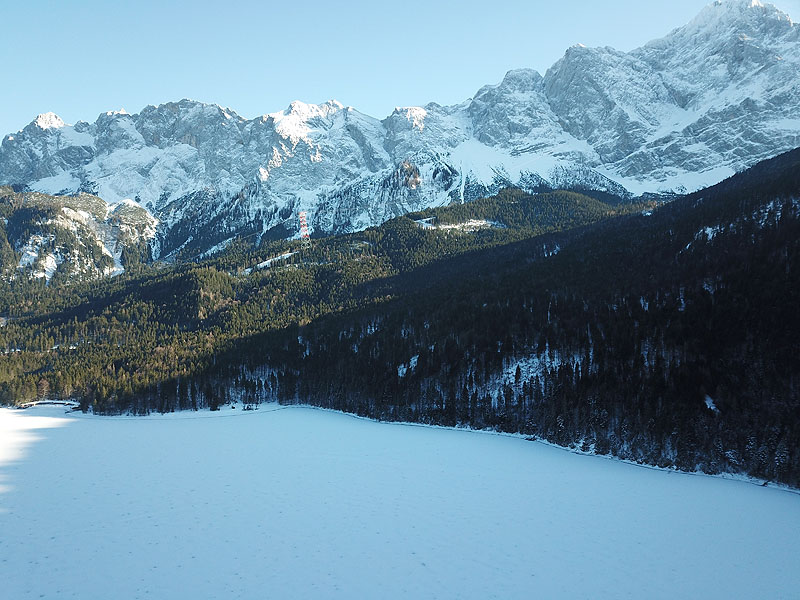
467,226
269,262
303,503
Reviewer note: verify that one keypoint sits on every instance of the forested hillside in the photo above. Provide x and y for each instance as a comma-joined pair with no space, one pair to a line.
662,334
668,338
63,239
112,340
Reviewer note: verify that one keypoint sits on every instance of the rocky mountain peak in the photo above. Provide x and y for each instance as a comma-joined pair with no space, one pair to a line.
738,9
734,18
48,120
685,111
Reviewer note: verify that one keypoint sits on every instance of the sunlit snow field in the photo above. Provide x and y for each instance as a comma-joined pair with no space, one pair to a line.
303,503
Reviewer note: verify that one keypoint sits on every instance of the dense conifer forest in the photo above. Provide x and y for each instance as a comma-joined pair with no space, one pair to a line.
664,333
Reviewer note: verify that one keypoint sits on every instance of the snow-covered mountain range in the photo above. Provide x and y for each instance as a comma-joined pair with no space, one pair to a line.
681,112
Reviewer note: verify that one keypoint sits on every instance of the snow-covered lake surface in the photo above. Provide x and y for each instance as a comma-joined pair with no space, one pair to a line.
303,503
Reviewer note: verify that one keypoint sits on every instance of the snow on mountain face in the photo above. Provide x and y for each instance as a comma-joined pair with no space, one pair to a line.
49,121
72,236
608,98
733,73
710,98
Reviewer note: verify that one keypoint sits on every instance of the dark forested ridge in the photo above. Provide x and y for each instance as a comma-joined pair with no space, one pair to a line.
663,334
113,343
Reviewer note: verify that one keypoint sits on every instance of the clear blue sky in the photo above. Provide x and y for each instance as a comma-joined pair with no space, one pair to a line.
79,58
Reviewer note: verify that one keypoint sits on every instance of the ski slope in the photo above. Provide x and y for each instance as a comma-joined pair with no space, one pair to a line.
303,503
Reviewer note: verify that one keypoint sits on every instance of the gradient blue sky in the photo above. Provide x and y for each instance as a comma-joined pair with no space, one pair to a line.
80,58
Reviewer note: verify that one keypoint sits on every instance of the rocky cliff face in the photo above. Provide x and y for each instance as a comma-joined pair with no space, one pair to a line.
682,112
69,237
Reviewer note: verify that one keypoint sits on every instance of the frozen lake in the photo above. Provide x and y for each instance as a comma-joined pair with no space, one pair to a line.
303,503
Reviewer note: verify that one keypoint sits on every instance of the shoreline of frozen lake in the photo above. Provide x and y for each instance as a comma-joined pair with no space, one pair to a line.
299,502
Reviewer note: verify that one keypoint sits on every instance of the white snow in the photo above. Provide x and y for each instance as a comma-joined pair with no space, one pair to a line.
115,253
467,226
30,251
57,183
533,365
414,115
404,368
709,233
551,251
293,123
472,225
74,138
216,248
49,120
49,267
680,181
47,264
269,262
304,503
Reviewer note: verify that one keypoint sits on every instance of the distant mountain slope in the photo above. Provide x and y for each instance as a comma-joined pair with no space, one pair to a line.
682,112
